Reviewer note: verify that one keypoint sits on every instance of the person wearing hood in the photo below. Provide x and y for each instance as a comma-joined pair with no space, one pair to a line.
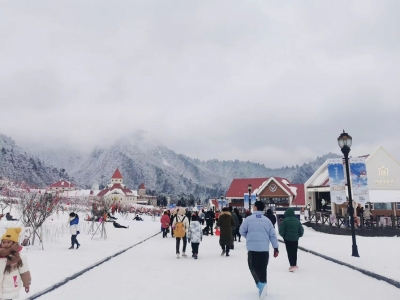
271,217
74,230
225,223
291,230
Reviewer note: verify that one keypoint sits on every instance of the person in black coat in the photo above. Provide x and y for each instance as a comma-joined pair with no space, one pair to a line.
210,216
271,216
240,219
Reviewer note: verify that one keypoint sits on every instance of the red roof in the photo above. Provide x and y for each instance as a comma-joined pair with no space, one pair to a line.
239,186
117,175
113,187
142,187
62,184
300,198
285,187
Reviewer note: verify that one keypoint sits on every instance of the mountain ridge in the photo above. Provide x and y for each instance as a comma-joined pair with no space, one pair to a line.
163,171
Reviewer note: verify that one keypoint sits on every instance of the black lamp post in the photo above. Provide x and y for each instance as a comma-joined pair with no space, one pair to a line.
249,188
344,141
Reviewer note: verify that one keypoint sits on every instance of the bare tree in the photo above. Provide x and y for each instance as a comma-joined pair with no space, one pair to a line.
6,194
34,209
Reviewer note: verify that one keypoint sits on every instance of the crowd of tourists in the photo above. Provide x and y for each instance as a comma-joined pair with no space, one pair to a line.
257,228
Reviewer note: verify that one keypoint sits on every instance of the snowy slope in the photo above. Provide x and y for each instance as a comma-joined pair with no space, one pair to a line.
18,165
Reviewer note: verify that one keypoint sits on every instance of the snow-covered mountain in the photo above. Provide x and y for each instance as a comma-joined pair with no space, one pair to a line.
18,165
161,169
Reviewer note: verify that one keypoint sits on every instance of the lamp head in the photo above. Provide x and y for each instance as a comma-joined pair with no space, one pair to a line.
249,188
345,140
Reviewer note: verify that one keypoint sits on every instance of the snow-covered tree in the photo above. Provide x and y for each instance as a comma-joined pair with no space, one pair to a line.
34,209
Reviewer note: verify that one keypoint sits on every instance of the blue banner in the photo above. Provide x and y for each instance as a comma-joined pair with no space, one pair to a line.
336,181
246,201
359,180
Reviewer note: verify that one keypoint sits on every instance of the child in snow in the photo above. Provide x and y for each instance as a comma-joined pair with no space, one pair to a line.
14,264
195,235
74,229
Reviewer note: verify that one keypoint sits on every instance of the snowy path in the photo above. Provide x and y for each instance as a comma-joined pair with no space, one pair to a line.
151,271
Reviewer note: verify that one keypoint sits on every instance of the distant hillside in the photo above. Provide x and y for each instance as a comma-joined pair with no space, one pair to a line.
162,170
17,165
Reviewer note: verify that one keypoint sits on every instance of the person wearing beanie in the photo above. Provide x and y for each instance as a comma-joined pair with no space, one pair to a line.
195,235
74,230
259,233
16,269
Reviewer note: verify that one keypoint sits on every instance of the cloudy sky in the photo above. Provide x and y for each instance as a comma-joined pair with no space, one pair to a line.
273,82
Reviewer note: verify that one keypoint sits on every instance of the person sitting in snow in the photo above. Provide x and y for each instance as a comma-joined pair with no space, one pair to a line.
137,218
9,217
116,225
14,262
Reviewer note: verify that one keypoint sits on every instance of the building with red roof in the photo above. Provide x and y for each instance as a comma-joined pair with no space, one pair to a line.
118,191
62,185
273,191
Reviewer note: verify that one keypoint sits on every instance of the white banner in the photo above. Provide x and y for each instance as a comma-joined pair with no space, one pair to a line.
336,181
359,179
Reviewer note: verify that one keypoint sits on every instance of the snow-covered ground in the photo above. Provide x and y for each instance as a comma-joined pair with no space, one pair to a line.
377,254
151,271
56,262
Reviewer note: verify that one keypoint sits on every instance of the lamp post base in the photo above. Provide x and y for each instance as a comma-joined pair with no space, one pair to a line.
355,251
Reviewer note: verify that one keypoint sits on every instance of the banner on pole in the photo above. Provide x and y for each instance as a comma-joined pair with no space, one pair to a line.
246,201
359,179
253,199
337,181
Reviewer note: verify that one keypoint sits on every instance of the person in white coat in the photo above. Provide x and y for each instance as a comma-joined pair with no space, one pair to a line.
15,265
74,230
195,235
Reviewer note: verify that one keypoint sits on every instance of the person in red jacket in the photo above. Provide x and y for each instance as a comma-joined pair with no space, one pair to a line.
165,221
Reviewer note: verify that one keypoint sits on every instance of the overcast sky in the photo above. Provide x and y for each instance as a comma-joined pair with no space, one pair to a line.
273,82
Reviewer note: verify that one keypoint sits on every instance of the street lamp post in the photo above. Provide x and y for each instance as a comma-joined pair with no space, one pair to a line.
345,141
249,188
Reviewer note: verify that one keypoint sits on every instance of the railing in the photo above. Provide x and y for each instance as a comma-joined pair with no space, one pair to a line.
376,222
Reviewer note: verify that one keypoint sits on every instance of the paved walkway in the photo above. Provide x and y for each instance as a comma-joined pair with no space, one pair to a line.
151,271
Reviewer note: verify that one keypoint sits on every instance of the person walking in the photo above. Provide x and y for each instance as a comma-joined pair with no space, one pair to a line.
259,233
240,220
165,223
210,221
172,218
225,223
235,218
74,230
271,217
180,225
195,235
291,230
202,216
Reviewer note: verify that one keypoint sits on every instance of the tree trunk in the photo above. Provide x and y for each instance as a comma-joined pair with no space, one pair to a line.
34,236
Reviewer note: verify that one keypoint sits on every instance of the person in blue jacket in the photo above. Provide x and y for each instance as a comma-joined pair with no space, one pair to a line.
259,233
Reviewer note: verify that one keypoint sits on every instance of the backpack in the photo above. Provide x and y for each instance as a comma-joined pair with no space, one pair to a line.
179,230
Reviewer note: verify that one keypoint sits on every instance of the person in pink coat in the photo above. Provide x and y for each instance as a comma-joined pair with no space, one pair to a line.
165,221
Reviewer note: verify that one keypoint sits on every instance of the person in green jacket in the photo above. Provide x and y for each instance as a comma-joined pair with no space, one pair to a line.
291,230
